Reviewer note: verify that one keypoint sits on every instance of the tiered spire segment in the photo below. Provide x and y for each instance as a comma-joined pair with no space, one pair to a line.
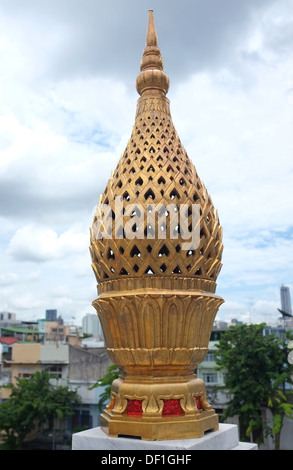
152,78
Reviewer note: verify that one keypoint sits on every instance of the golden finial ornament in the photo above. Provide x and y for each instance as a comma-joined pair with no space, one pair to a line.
156,247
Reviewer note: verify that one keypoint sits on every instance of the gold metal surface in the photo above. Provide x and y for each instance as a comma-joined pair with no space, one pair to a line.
156,301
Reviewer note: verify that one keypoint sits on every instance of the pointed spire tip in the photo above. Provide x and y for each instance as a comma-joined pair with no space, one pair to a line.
151,39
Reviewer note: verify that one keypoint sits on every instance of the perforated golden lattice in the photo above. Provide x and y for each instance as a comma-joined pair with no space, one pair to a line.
155,169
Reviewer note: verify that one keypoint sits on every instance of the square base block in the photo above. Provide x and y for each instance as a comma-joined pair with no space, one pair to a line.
158,429
226,438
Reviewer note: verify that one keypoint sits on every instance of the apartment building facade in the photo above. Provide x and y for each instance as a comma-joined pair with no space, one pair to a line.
72,366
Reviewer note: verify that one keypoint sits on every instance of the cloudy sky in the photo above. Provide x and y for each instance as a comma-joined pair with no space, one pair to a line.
67,107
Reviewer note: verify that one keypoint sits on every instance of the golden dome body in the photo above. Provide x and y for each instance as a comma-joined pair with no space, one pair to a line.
156,287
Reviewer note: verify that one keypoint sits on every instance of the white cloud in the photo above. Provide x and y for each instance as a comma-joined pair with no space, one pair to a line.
27,301
257,260
8,278
35,243
20,141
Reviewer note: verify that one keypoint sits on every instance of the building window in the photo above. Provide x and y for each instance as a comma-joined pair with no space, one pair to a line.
210,377
81,418
24,376
55,370
210,357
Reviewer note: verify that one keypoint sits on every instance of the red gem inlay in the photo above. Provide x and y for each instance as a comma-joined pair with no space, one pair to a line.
172,408
198,403
134,407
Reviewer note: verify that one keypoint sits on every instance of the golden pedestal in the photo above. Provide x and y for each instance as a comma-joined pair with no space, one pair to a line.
158,337
170,410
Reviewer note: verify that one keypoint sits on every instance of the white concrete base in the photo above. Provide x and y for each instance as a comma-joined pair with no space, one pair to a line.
226,438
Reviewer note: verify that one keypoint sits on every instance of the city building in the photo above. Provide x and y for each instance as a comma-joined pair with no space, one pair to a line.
285,299
51,315
86,367
20,333
91,325
214,378
7,316
6,344
8,319
71,366
56,332
24,350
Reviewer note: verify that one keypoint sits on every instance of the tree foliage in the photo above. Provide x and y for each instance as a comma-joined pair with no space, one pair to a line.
258,376
112,373
32,402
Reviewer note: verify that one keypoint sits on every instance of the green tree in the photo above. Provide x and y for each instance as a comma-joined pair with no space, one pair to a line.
112,373
33,402
258,376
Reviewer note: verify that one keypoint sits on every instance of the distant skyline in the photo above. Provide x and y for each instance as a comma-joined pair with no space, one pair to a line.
67,107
